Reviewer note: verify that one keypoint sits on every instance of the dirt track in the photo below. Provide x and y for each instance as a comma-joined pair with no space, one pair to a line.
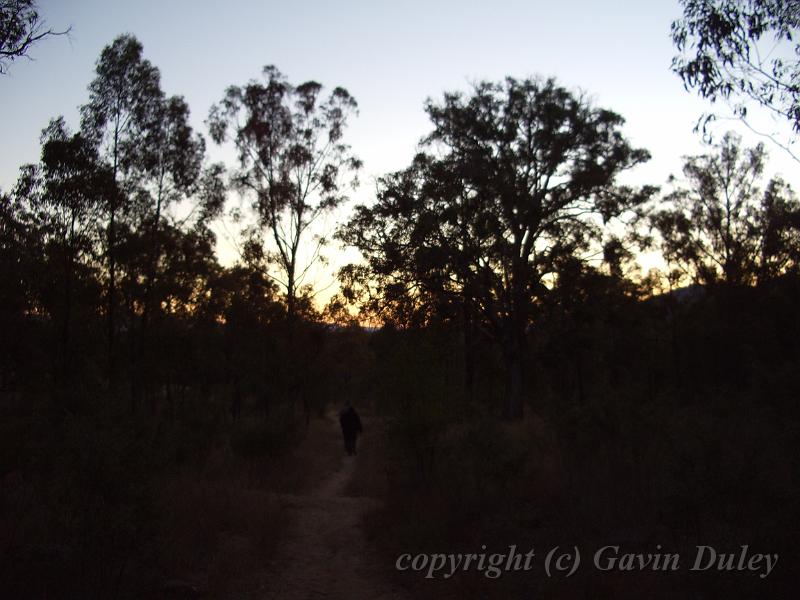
325,554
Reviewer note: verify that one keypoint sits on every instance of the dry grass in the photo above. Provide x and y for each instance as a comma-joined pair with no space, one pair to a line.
372,465
222,525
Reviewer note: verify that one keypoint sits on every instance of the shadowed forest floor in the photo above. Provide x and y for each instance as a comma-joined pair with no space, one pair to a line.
325,553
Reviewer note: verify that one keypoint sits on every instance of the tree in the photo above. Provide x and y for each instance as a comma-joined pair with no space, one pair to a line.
59,201
21,26
123,96
517,178
249,304
739,51
166,169
18,246
721,226
292,160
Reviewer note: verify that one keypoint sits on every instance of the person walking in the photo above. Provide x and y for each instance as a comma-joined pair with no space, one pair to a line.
351,427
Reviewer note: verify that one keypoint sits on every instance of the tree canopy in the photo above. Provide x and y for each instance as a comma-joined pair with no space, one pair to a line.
722,226
292,160
517,176
21,26
739,51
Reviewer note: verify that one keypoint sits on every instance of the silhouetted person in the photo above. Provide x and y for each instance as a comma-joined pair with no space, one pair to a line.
351,427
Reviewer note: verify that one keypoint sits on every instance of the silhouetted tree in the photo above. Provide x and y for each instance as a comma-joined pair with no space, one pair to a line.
292,159
171,157
519,176
60,201
722,226
123,96
739,51
21,26
247,302
19,247
165,169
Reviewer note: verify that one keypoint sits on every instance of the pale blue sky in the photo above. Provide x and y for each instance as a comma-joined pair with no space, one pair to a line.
390,55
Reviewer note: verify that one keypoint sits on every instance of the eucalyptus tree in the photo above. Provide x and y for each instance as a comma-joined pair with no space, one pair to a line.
292,162
720,225
516,177
742,53
157,162
21,26
122,97
18,247
169,167
59,202
166,172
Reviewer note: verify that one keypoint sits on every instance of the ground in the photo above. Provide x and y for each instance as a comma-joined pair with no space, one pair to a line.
325,553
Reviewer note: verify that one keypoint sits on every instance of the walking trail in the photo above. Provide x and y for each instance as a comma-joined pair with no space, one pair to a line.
325,553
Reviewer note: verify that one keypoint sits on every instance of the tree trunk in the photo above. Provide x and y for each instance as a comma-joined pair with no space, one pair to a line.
514,345
469,357
112,287
112,266
513,401
514,358
64,391
141,354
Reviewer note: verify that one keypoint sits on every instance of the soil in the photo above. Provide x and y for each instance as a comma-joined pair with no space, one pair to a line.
325,553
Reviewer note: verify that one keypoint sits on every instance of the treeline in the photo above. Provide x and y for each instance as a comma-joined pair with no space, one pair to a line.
660,406
540,389
149,393
111,283
513,200
514,203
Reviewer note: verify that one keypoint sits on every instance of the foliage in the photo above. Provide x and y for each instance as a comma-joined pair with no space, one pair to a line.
739,51
722,227
518,177
21,27
292,160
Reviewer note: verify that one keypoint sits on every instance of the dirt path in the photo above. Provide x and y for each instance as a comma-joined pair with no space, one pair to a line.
325,554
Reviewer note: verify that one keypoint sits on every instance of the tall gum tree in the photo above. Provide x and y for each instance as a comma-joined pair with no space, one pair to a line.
292,162
58,201
166,170
516,176
125,90
719,225
295,167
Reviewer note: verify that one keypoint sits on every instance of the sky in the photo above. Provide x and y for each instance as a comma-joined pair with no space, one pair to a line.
391,56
